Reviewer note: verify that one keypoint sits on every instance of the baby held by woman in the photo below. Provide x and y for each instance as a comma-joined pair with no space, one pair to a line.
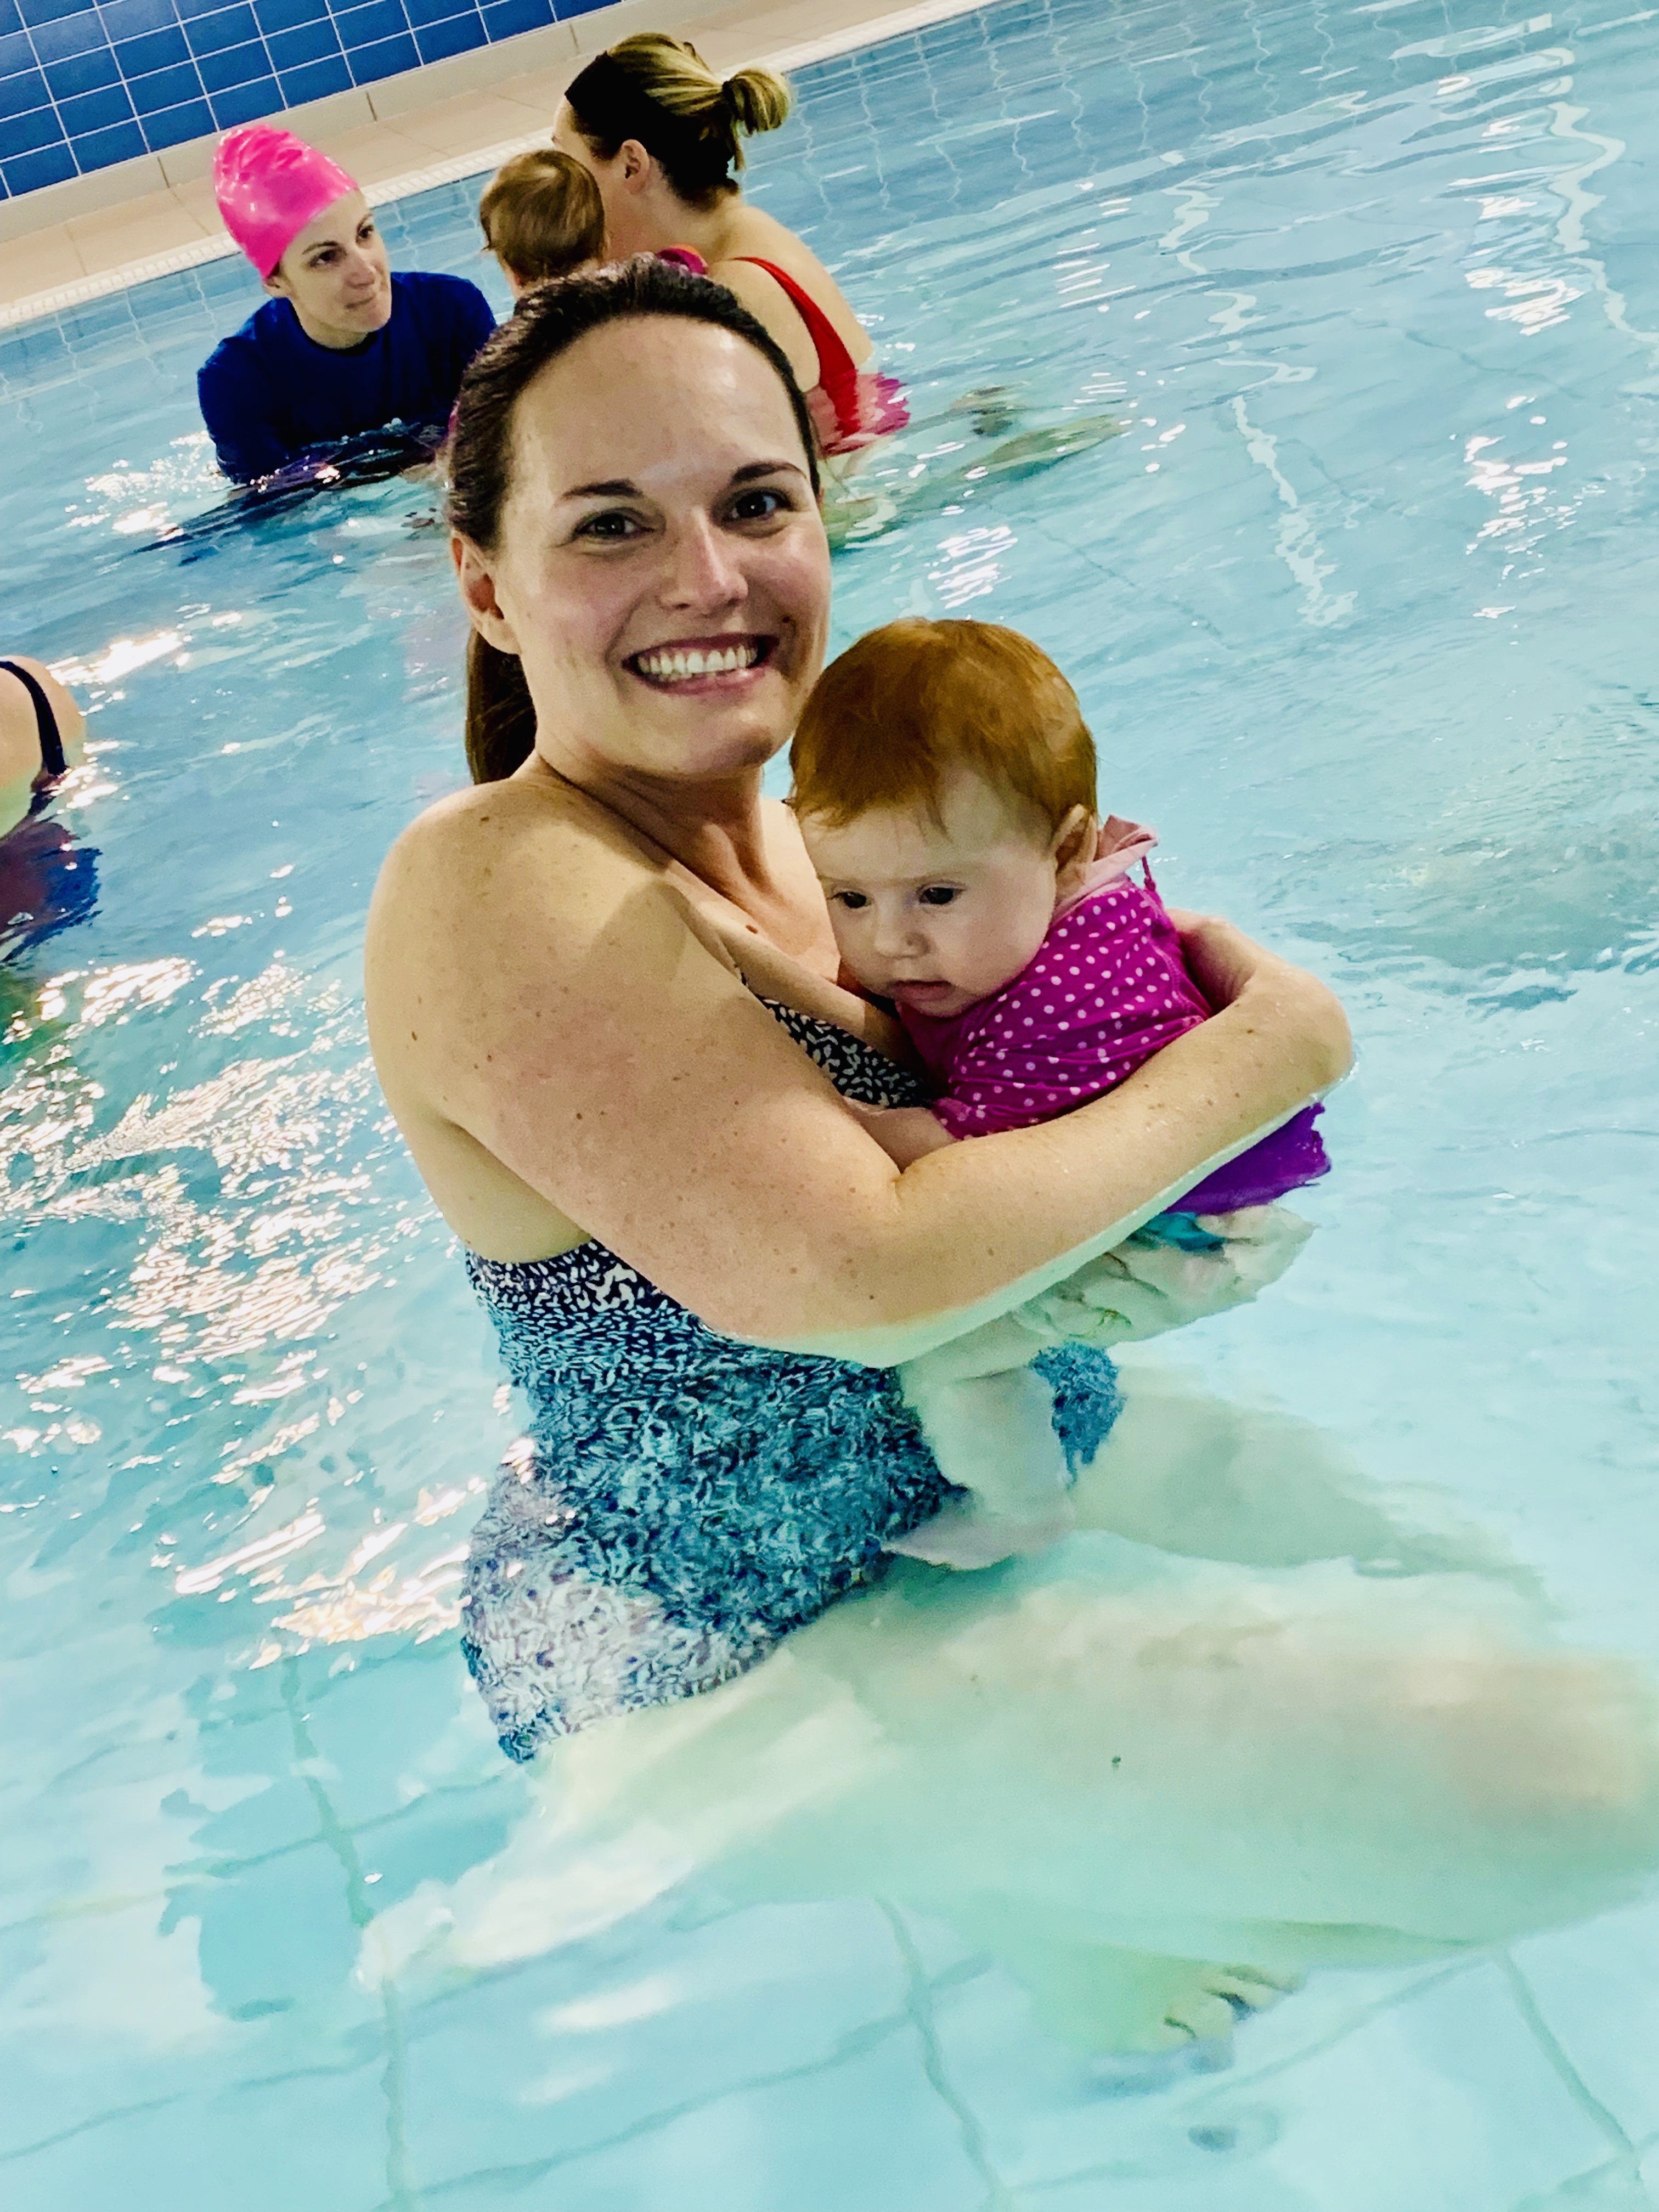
945,782
542,217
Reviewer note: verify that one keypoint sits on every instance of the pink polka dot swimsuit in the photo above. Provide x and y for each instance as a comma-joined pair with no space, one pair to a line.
1107,988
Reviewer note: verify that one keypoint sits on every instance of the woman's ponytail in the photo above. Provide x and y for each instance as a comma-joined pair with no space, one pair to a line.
756,100
501,722
661,92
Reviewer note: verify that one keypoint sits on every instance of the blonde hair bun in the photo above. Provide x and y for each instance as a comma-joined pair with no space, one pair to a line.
674,74
758,99
661,92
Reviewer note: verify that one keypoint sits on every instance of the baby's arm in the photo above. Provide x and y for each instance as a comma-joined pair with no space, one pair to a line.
905,1133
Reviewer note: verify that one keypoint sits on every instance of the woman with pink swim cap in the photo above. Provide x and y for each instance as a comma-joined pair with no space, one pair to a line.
341,345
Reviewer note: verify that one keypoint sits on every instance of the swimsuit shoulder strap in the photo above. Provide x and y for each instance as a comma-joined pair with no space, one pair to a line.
836,372
53,761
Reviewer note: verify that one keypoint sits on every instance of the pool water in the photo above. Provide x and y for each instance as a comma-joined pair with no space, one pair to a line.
1359,604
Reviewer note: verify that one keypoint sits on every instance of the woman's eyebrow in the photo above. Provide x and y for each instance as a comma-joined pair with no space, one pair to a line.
748,473
623,487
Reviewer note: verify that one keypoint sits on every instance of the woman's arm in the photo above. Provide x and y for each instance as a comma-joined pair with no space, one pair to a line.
560,1006
234,400
20,761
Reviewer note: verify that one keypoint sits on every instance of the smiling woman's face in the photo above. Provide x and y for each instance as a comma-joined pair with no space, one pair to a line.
662,571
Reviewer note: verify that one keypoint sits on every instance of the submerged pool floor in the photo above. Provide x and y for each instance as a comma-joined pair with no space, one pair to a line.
1360,607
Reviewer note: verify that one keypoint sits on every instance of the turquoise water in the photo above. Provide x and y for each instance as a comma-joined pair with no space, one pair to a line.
1360,609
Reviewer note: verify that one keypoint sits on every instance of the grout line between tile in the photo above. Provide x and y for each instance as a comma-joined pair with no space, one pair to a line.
894,24
1605,2122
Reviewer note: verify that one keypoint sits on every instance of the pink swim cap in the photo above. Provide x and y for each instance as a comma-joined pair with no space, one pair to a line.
270,184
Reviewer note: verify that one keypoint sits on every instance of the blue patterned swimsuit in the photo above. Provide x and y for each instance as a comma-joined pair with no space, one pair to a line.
688,1500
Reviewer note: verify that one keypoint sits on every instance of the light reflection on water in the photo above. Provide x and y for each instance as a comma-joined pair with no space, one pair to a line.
1358,606
242,1233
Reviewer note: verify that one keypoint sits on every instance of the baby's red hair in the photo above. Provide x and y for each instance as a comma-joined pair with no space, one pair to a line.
888,721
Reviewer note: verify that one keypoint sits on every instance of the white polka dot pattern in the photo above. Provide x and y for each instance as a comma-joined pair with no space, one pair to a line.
1107,989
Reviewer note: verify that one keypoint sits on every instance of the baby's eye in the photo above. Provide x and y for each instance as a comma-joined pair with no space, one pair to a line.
939,895
852,901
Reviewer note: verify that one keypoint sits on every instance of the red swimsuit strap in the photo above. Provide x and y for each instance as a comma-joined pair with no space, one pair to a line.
836,374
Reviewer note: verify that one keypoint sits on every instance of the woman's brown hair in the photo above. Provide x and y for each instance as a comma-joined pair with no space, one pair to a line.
500,721
661,92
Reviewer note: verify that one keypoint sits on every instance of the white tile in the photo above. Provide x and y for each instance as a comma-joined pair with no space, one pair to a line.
458,126
77,196
1420,2091
542,89
109,241
478,70
374,152
39,263
1597,1989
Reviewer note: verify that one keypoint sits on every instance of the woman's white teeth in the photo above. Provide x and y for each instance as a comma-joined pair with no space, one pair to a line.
681,661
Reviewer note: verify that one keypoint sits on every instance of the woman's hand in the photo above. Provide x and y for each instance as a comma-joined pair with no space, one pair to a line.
1227,966
1219,958
1147,1287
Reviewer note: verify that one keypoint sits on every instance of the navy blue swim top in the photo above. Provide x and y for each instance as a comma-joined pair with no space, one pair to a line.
269,394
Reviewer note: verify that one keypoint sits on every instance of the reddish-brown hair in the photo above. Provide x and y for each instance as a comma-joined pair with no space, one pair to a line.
542,216
887,722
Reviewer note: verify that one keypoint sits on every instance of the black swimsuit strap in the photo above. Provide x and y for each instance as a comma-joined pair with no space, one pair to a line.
52,762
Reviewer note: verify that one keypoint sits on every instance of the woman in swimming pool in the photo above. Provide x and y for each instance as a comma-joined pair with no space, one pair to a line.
603,1000
663,135
42,736
48,880
343,345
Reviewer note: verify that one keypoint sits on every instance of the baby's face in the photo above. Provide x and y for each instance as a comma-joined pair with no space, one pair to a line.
938,918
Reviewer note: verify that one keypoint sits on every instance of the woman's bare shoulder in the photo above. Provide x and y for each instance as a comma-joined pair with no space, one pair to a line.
515,894
755,234
19,744
752,231
497,845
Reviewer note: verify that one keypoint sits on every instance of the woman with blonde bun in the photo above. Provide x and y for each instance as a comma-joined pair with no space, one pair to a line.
663,135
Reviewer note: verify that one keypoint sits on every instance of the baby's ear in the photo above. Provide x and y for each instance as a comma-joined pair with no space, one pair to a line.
1074,849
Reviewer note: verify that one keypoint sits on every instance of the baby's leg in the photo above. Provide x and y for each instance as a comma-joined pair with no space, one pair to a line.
992,1430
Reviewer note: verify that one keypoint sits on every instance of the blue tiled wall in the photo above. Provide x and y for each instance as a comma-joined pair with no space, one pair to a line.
83,85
